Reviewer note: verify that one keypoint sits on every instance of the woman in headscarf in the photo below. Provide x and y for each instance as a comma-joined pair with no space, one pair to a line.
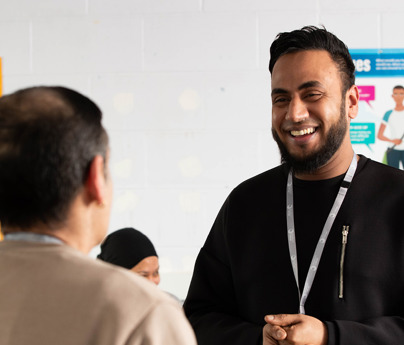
131,249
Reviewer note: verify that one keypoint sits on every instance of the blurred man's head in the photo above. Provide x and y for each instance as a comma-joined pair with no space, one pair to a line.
49,140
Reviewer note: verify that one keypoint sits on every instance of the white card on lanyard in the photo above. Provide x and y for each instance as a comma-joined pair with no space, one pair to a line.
323,237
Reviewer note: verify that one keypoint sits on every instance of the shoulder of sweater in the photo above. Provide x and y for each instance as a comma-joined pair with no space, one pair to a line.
113,282
266,180
380,170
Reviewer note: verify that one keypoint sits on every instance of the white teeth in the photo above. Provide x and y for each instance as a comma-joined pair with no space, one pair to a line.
302,132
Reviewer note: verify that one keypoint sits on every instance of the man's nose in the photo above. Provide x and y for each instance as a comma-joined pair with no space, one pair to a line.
297,110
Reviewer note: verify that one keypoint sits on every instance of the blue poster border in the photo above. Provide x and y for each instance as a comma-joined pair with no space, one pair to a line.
378,62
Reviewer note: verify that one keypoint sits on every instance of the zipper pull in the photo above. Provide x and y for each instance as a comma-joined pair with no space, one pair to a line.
345,231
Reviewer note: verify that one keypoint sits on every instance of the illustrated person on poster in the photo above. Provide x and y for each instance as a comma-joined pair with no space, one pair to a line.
394,119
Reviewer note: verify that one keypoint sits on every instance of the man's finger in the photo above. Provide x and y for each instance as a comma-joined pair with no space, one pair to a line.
283,319
275,332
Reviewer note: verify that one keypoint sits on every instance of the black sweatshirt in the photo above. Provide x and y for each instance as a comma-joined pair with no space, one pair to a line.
243,271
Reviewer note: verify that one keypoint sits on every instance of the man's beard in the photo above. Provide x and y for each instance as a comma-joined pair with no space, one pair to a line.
320,157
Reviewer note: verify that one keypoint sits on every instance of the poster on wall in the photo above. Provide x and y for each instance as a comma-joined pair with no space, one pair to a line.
378,130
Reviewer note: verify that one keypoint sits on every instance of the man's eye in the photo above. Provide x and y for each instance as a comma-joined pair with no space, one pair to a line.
313,95
279,100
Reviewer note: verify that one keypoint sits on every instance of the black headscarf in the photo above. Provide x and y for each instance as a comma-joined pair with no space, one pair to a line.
126,248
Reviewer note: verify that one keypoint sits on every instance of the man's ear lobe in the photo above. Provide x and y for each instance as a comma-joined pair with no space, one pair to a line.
353,101
95,183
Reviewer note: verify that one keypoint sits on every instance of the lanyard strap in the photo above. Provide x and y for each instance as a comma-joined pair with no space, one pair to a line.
323,237
31,237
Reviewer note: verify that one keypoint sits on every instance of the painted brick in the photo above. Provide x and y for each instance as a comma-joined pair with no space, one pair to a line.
42,8
15,47
151,101
125,7
200,42
84,45
258,5
391,36
363,6
360,30
220,159
79,83
238,100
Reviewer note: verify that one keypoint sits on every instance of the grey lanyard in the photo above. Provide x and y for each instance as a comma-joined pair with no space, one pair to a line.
323,237
31,237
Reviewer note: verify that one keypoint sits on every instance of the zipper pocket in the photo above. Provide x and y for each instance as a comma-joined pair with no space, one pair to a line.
345,231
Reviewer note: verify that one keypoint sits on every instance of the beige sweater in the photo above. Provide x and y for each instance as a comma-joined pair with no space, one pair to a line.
51,294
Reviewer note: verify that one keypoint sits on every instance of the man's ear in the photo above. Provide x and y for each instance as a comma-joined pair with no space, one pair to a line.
96,180
352,101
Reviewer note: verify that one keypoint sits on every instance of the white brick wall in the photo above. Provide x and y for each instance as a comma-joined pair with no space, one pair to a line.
185,92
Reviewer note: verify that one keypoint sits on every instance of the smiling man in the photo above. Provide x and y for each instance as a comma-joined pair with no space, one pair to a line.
306,253
309,116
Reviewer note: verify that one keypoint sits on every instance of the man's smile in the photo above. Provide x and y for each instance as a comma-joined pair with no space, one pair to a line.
298,133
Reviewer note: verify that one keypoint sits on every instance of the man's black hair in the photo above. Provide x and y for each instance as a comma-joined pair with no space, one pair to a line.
48,139
314,38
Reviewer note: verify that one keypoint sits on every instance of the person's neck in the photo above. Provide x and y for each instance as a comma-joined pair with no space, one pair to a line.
399,107
336,166
74,239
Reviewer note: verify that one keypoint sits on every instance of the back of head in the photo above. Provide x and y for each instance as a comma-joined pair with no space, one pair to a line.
126,248
48,138
313,38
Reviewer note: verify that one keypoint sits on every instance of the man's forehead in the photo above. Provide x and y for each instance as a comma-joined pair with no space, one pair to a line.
310,55
303,67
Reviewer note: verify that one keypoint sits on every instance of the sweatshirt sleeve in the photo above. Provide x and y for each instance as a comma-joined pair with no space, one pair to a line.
380,330
211,304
